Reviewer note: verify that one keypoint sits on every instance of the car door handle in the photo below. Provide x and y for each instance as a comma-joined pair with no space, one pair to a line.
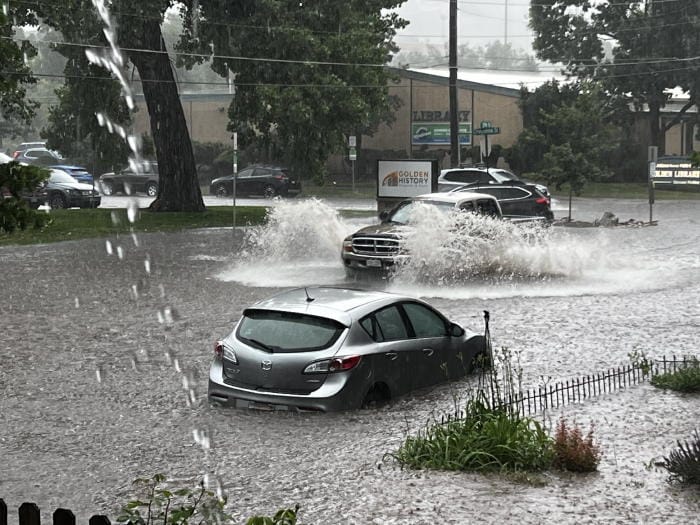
391,355
428,352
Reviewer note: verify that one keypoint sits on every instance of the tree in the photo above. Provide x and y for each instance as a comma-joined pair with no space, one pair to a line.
15,109
307,74
638,51
15,179
570,140
139,32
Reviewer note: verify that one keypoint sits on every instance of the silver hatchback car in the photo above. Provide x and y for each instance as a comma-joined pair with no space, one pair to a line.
328,349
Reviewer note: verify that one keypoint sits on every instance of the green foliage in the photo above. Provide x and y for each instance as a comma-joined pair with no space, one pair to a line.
640,360
15,213
157,504
486,439
646,61
573,451
685,379
281,517
494,55
683,463
322,77
695,158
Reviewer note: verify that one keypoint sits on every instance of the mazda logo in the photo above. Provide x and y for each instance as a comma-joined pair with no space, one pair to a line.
266,364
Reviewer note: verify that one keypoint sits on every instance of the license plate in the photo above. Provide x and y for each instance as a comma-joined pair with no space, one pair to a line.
374,263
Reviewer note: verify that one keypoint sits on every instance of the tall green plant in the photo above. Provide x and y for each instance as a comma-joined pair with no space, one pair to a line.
15,214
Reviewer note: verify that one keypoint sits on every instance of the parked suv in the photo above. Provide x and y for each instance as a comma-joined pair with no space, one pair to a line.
66,192
265,180
37,155
516,198
128,181
450,179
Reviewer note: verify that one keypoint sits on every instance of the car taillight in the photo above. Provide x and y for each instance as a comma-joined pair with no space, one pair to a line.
329,366
16,154
542,200
280,177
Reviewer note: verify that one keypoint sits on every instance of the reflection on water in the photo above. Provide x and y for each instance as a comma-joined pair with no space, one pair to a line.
461,256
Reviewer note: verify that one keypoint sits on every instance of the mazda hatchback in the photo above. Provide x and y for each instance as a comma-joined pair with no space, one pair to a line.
328,349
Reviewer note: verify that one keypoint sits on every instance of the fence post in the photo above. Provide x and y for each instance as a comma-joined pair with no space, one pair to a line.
63,517
29,514
3,512
99,520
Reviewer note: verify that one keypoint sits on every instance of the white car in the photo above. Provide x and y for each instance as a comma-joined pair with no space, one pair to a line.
453,178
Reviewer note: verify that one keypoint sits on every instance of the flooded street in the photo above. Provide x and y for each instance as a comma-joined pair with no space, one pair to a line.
105,349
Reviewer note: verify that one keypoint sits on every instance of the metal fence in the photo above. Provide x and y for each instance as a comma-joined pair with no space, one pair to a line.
579,389
29,515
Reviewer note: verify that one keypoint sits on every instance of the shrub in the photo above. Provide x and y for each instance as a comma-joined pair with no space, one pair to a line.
683,463
573,451
486,439
686,379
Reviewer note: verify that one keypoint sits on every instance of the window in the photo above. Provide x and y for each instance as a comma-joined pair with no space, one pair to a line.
467,176
385,325
487,207
245,174
425,322
287,331
262,172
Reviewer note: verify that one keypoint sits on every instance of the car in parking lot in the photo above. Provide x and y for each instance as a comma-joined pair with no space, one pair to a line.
63,191
515,198
39,156
262,180
450,179
77,172
327,349
131,181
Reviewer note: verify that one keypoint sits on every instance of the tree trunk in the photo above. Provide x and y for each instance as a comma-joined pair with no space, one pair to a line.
178,184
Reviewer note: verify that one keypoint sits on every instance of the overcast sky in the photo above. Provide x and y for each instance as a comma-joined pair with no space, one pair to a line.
479,22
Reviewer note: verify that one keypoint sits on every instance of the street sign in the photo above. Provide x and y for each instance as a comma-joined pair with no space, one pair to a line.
485,124
487,131
352,141
352,154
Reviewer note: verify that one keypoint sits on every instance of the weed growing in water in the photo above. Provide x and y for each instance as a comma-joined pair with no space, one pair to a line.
683,464
572,450
686,379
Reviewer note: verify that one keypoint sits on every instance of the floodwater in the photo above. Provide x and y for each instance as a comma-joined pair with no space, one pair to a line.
104,352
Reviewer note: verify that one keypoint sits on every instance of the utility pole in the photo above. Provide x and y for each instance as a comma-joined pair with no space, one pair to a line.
454,123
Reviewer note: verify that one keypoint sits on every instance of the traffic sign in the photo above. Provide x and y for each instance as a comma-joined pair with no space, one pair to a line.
485,124
352,154
487,131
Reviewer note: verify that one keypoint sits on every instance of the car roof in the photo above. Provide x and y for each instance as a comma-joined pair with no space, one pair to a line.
453,197
329,302
67,167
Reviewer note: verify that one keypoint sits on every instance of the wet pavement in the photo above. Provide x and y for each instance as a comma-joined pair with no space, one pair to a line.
104,359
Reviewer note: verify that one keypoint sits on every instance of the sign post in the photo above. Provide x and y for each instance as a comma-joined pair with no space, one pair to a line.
653,156
486,129
352,155
235,172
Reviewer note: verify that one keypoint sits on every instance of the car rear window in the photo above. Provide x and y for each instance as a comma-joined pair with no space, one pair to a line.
277,331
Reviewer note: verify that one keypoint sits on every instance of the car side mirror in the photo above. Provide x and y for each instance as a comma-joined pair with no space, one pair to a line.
456,330
383,216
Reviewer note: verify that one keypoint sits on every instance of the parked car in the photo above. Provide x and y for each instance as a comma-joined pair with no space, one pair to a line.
515,198
77,172
66,192
450,179
265,180
129,181
327,349
37,155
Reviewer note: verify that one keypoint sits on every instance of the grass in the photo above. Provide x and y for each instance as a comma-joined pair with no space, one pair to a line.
685,379
91,223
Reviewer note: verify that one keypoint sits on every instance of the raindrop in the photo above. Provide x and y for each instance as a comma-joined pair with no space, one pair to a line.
135,238
168,356
133,143
132,209
25,57
162,290
115,218
120,252
100,119
5,8
135,292
99,374
134,362
108,246
77,302
147,265
176,365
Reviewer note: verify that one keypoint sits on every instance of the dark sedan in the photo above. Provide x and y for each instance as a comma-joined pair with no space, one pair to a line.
66,192
129,181
265,181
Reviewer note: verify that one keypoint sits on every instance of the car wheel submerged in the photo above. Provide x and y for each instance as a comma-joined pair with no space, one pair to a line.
57,201
269,191
376,396
151,189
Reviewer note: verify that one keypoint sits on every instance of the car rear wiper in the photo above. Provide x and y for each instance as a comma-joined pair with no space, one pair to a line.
263,346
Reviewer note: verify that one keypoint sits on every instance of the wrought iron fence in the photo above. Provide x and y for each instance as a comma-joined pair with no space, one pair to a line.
29,514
